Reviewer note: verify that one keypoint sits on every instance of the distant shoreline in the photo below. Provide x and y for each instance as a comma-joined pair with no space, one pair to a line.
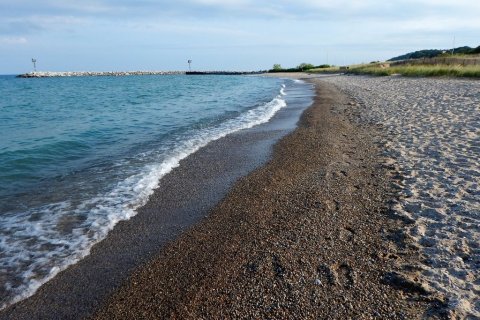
51,74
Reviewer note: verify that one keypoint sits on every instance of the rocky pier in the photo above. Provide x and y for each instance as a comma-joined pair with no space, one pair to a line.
50,74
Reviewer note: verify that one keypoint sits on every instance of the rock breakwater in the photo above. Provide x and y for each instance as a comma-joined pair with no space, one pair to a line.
49,74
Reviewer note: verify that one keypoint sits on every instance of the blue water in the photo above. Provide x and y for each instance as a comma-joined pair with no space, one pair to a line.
78,155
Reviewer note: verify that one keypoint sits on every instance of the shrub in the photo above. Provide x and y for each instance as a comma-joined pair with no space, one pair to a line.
277,67
305,66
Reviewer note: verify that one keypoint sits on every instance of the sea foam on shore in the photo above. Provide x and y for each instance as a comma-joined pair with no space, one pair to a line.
38,241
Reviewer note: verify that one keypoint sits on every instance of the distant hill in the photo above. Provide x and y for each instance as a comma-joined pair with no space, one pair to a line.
432,53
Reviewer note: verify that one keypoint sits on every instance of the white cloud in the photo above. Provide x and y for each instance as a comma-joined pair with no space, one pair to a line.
265,29
13,40
439,24
223,3
340,4
467,4
189,28
85,6
39,23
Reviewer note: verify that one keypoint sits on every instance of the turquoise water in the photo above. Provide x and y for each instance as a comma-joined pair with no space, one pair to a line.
78,155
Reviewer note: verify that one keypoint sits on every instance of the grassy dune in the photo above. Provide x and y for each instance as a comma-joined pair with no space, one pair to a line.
325,70
412,70
419,70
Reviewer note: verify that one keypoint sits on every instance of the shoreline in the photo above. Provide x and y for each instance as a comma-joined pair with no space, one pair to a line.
308,231
308,235
183,198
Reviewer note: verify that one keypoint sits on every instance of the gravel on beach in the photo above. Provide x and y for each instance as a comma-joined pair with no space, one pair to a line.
310,235
431,130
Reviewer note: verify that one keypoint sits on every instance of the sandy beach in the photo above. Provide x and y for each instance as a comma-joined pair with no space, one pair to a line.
369,209
309,235
431,131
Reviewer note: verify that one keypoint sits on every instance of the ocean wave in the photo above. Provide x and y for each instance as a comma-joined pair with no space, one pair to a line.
40,242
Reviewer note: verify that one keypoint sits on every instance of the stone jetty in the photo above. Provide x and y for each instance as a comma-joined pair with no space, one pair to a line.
50,74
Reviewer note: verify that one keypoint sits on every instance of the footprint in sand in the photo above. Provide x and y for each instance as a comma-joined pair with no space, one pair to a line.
346,275
341,275
326,275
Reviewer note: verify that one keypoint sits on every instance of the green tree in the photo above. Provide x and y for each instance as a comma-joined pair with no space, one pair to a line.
305,66
277,67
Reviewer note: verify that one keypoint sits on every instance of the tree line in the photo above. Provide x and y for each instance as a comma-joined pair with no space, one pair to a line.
300,68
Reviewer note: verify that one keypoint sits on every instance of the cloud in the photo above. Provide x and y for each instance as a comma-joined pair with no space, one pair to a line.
466,4
223,3
260,28
16,27
85,7
188,28
240,9
13,40
440,24
35,24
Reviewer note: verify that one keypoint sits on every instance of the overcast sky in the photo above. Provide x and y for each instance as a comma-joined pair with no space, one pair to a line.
67,35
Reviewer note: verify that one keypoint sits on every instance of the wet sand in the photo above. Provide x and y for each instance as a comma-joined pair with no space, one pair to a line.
309,235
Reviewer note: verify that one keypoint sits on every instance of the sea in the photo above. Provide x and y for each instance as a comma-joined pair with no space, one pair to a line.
80,154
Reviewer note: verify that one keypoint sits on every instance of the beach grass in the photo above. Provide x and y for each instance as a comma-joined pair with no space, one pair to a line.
438,70
325,70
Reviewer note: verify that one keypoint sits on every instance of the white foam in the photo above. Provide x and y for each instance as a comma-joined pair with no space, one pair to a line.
37,250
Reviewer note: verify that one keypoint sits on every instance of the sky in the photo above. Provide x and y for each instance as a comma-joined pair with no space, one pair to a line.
127,35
